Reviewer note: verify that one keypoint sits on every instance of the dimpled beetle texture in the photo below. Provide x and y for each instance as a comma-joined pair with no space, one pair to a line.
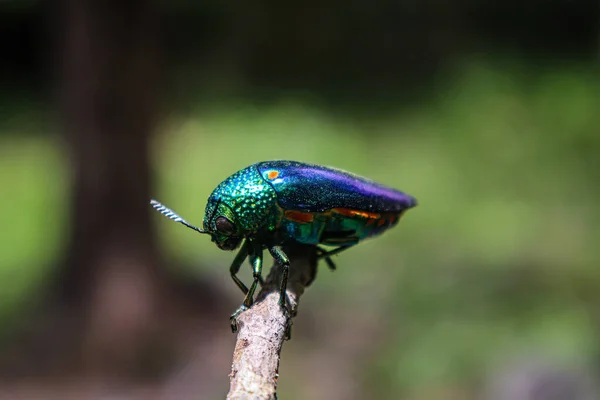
247,195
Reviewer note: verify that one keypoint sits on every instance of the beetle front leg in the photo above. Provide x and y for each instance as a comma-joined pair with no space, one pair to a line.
256,259
234,269
283,260
237,263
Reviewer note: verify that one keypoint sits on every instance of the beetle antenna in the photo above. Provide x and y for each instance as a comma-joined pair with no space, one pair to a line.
167,212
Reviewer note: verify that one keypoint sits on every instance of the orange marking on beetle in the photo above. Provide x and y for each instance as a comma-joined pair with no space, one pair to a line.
393,219
299,216
356,213
381,222
272,174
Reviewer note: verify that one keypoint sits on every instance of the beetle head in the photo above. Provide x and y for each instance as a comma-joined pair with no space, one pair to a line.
223,227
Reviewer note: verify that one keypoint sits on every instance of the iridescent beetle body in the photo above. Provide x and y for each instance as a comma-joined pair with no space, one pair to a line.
274,202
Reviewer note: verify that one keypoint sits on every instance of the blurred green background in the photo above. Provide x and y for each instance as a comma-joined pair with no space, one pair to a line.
487,114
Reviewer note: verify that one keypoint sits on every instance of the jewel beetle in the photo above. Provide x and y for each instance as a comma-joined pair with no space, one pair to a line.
271,203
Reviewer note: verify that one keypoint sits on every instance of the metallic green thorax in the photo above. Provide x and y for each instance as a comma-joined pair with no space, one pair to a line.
244,198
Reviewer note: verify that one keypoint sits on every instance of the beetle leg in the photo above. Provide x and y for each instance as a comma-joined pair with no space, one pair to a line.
337,250
235,315
256,260
260,278
322,253
283,260
237,263
330,263
327,255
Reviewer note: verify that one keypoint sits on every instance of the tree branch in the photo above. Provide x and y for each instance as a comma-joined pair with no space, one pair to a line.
261,334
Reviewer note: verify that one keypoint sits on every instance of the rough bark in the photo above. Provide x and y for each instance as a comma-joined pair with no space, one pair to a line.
255,366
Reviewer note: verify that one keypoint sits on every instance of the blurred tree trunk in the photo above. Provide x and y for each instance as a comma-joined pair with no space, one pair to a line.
110,69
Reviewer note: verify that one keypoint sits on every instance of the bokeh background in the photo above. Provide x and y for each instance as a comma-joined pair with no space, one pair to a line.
487,112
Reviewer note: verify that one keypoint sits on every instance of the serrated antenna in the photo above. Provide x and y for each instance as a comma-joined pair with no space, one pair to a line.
172,215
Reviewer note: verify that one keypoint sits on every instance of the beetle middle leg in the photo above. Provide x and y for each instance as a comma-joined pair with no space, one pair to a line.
256,260
283,260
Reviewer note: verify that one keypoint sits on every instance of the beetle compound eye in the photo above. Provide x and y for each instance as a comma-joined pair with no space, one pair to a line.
224,226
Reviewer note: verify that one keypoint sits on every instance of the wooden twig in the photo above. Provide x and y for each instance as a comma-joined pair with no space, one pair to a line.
261,334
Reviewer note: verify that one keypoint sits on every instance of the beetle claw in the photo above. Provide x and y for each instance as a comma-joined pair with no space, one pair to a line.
234,316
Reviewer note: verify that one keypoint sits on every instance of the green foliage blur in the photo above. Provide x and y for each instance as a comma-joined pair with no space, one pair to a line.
500,258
